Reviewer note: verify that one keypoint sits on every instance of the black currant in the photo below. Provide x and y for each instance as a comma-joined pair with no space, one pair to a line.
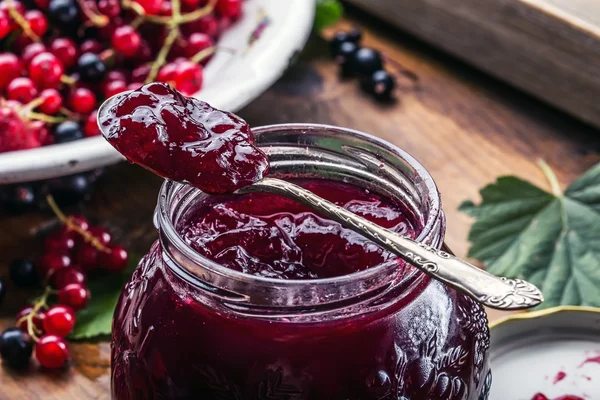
67,132
64,12
91,68
71,189
344,57
2,290
381,84
366,61
18,198
355,35
15,348
23,273
336,42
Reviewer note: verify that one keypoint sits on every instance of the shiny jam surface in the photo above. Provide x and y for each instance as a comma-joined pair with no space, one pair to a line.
183,138
272,236
540,396
173,339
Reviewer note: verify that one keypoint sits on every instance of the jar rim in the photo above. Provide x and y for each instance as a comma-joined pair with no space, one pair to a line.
168,228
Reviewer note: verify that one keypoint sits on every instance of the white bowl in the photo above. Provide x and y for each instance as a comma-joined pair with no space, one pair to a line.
231,80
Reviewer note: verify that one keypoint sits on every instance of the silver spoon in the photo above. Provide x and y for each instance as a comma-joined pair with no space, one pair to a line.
495,292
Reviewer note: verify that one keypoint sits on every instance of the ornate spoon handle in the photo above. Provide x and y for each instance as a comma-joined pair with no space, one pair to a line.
495,292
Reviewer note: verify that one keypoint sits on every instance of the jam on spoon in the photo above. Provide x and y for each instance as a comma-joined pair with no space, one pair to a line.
540,396
183,139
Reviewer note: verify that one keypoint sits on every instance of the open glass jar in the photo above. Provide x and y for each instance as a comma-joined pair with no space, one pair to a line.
186,327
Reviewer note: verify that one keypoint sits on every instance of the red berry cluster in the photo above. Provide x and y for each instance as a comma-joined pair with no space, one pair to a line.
64,57
69,253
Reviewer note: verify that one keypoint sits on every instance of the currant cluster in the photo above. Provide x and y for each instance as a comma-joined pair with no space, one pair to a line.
70,253
362,62
62,58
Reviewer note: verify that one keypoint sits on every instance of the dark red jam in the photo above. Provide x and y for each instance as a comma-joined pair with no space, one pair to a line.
183,139
173,339
272,236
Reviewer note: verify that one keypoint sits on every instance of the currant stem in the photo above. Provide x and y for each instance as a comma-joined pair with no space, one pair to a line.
67,80
68,222
161,58
39,304
22,22
46,118
96,19
201,55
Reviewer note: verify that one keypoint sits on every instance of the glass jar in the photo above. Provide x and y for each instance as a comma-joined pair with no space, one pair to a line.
186,327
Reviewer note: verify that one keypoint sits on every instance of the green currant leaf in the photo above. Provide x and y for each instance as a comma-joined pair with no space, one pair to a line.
328,13
552,240
96,318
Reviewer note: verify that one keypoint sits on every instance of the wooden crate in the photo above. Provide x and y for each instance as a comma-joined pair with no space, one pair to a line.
548,48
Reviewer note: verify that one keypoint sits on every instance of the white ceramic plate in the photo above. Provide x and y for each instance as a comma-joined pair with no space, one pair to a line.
232,80
555,352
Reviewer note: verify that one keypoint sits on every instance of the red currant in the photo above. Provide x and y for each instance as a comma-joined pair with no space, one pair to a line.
5,27
115,260
90,128
65,50
87,257
52,101
46,70
18,6
67,276
10,68
134,86
43,4
151,7
74,295
52,262
59,321
126,40
51,351
91,46
110,8
80,221
30,51
197,42
166,9
114,87
229,8
188,77
117,75
59,241
101,234
37,22
166,73
38,319
140,73
21,89
191,4
83,100
42,132
209,25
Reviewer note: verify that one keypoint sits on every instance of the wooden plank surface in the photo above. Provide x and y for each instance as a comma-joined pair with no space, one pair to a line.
548,48
464,127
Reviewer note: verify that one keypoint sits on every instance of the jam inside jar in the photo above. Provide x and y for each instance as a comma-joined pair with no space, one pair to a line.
246,320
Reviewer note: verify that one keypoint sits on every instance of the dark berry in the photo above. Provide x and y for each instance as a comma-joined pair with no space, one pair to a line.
91,68
336,42
51,351
345,56
67,131
366,61
23,273
380,83
355,35
64,12
15,348
19,198
52,262
71,189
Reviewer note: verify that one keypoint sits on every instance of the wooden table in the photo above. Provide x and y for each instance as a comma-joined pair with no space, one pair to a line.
463,126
